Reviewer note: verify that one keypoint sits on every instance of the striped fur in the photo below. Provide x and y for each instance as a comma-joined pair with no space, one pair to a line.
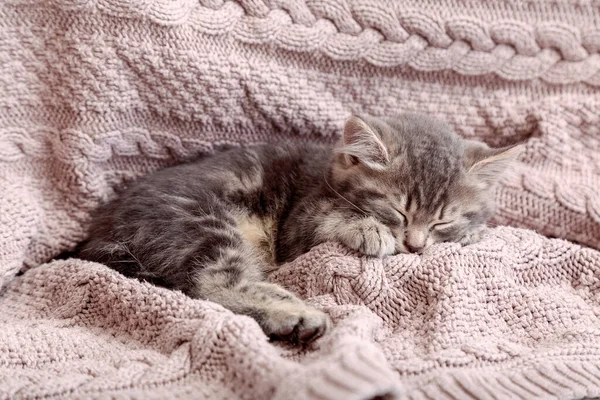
215,227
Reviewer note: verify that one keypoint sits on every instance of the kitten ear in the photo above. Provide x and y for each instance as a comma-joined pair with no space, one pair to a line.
488,164
362,143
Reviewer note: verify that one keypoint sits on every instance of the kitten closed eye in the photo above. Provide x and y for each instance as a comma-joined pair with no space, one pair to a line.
440,225
402,216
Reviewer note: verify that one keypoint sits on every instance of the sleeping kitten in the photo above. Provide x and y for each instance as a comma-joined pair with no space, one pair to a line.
215,227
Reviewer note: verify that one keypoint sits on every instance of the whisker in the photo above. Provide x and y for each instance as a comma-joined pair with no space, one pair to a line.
348,201
124,246
490,224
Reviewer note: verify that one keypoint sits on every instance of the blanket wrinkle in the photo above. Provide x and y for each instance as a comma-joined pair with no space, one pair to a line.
96,93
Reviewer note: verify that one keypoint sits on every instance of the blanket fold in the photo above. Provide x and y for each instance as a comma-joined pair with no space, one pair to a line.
97,93
513,316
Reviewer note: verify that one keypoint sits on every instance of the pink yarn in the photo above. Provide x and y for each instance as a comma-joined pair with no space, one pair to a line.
94,93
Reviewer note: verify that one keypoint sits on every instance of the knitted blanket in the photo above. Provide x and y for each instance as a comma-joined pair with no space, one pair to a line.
94,93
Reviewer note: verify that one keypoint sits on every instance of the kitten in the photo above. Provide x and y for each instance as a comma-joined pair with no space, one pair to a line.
215,227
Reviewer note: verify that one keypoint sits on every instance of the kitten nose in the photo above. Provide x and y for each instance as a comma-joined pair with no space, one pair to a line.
413,248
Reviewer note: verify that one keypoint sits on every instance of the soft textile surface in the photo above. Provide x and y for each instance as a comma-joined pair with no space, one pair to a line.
96,92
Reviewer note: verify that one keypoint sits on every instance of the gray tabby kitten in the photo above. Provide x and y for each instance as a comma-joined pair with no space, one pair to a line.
215,227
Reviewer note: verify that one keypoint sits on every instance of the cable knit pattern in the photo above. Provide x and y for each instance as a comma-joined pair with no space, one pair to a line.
98,92
386,36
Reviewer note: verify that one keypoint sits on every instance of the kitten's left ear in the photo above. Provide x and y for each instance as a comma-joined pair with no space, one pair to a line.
488,164
362,143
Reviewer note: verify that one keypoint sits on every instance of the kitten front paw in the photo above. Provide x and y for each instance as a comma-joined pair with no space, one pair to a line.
369,237
296,323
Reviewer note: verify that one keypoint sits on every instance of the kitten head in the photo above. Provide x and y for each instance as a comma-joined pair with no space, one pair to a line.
418,177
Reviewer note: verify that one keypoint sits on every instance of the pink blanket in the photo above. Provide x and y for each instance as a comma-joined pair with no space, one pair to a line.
97,92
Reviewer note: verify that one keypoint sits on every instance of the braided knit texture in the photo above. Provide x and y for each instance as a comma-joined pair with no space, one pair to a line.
94,93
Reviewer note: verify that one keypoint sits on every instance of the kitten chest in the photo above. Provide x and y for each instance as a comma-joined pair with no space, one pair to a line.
259,232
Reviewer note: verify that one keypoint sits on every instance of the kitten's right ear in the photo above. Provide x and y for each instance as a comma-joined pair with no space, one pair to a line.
363,144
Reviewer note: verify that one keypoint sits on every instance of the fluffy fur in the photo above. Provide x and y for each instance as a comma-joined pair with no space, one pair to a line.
215,227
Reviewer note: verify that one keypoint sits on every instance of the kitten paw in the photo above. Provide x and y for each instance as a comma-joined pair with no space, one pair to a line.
370,237
296,324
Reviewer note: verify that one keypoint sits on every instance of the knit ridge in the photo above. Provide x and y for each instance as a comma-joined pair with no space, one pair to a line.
384,36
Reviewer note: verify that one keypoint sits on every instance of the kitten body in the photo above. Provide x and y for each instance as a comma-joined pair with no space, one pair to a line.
214,228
